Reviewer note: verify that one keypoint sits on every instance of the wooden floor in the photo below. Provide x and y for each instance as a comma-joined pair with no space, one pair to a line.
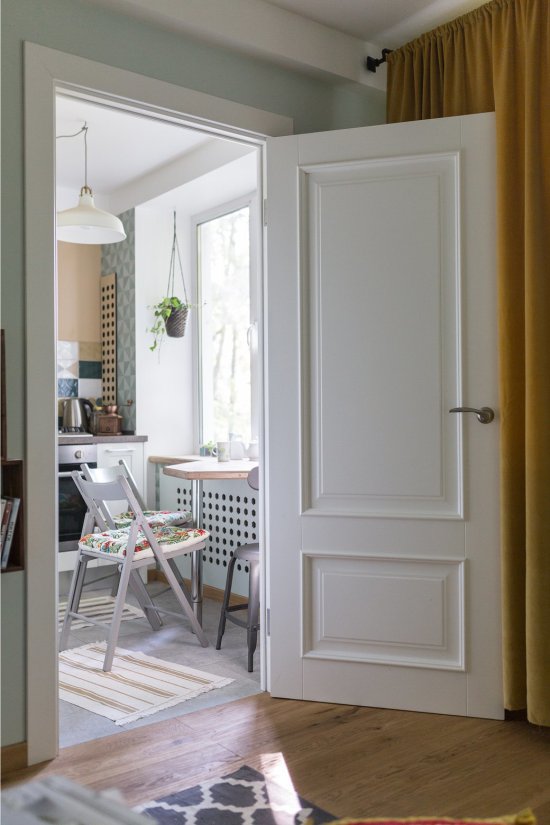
350,761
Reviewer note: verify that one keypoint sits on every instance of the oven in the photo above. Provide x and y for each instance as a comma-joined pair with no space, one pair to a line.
71,504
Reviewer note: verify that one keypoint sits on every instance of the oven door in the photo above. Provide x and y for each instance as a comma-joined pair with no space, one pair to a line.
71,508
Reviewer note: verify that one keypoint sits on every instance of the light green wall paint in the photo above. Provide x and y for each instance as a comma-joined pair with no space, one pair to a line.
13,663
83,29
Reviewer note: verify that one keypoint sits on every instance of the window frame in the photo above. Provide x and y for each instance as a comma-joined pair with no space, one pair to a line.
250,200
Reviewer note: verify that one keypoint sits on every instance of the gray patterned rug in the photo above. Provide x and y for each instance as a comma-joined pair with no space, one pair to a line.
239,798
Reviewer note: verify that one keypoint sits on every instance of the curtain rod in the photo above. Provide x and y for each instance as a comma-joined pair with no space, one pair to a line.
372,63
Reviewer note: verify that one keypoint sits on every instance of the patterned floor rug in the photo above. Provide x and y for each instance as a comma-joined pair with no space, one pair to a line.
137,686
240,798
99,608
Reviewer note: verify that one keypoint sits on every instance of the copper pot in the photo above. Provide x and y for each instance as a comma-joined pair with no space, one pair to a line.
111,409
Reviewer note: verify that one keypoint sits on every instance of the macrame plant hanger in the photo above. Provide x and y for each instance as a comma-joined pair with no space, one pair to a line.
176,321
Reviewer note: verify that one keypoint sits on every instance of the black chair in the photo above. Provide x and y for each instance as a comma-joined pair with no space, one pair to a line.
249,553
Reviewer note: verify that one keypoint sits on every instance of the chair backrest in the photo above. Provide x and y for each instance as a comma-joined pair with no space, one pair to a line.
111,474
97,493
254,478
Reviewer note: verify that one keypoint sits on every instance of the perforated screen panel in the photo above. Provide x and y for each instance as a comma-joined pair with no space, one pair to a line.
108,339
230,514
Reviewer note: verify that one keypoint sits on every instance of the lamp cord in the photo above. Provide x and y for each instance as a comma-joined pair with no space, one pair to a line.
85,130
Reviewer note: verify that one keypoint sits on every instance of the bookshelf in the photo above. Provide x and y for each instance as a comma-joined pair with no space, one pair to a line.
13,478
13,485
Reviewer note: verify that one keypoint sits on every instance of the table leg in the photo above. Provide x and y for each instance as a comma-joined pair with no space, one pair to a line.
196,558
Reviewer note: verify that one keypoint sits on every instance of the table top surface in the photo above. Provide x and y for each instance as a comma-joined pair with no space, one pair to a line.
210,468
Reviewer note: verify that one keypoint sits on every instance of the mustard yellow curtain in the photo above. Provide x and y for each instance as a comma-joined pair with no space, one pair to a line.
498,58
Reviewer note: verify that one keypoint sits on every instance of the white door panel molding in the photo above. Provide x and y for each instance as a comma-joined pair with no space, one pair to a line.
382,372
384,610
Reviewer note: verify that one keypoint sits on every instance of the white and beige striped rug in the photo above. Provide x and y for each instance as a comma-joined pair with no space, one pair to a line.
99,608
137,686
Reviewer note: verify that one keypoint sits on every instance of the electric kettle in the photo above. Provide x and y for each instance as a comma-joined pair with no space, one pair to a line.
76,414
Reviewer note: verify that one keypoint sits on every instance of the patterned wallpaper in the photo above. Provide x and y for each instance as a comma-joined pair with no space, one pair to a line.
120,258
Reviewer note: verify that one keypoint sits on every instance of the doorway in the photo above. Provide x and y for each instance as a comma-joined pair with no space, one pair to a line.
49,73
187,172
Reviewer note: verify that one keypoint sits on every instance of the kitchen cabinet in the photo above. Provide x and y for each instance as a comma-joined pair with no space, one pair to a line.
109,455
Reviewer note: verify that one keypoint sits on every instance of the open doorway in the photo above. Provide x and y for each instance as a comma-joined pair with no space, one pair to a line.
155,174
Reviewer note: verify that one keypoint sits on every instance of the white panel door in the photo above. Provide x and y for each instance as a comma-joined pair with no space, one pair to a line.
383,541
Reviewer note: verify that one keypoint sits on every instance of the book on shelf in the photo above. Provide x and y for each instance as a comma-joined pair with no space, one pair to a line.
8,528
6,510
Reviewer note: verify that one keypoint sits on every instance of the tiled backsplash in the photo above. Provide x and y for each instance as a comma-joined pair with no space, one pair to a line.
78,370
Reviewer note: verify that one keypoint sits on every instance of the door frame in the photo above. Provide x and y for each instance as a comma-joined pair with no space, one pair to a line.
47,72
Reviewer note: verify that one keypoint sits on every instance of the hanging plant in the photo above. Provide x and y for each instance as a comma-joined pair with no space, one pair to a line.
170,312
170,319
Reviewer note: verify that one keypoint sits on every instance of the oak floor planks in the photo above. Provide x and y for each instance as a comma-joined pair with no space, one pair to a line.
351,761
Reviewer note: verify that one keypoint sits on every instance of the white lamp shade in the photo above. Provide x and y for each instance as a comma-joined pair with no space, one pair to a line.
86,223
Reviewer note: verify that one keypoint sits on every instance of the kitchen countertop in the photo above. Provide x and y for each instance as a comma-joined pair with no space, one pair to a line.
88,438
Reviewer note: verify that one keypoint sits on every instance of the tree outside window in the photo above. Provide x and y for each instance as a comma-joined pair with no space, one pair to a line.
223,245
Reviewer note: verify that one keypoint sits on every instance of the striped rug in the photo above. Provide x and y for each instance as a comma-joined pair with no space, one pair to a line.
138,685
99,608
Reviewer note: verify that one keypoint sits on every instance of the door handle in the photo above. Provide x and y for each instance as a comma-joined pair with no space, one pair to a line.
484,415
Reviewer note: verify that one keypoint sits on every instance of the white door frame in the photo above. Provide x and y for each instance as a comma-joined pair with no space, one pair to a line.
47,72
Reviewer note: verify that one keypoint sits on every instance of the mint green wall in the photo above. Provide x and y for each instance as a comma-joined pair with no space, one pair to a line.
13,666
83,29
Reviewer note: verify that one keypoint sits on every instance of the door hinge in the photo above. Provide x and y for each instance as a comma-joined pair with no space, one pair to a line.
265,211
268,621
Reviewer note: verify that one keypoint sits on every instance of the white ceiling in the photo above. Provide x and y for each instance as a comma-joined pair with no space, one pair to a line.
387,22
122,146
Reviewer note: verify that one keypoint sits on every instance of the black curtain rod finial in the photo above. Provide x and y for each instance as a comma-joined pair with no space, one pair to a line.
372,63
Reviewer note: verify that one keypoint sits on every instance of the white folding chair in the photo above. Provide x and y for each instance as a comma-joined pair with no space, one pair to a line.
157,518
131,548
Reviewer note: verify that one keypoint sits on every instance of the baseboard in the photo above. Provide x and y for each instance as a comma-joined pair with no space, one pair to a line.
14,758
515,715
209,592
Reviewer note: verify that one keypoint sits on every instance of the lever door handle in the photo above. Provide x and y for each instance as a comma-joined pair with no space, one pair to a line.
484,415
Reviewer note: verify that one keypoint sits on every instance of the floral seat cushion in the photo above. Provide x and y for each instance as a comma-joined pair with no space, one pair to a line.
113,543
156,518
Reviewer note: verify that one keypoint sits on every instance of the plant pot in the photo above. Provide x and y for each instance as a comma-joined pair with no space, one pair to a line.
175,323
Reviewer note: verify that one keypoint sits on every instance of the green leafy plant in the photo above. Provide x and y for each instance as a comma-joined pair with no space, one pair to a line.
162,312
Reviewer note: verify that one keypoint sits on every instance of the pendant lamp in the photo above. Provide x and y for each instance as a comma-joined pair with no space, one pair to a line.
86,223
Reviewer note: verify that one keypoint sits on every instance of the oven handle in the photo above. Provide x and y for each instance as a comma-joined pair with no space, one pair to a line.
68,474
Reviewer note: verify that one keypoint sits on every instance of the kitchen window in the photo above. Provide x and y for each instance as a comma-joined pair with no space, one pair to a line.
227,345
